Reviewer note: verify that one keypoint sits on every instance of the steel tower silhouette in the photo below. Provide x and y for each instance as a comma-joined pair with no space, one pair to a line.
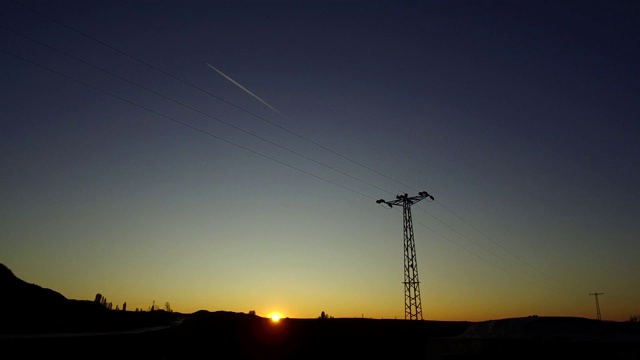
412,302
597,304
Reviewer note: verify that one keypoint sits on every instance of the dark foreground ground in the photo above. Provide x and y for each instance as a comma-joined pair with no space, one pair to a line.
40,323
223,335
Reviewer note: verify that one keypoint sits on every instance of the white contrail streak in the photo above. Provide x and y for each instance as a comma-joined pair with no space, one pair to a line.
243,88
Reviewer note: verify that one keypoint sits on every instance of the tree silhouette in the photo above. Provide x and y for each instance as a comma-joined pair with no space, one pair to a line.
324,315
124,306
100,299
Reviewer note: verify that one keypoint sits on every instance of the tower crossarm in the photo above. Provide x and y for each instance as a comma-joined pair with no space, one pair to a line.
406,199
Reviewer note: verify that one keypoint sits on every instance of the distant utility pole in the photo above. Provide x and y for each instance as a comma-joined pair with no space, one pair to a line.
412,302
597,304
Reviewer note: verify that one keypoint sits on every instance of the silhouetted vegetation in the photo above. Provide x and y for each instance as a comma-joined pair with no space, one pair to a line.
204,334
28,315
103,301
324,316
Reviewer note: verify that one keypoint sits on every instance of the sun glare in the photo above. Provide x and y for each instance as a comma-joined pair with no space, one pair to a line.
275,317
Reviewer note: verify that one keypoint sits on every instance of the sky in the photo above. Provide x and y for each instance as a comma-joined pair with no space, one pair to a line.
133,169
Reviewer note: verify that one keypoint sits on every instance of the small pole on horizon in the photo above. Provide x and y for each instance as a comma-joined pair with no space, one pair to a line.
597,304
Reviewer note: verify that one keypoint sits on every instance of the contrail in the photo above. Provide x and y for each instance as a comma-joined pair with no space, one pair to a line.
243,88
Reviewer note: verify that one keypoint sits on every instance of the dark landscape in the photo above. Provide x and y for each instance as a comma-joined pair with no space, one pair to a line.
41,323
256,159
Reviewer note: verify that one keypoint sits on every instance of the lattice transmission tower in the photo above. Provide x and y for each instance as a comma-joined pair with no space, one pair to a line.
597,305
412,302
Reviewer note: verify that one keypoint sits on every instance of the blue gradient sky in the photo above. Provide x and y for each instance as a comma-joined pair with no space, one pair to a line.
520,118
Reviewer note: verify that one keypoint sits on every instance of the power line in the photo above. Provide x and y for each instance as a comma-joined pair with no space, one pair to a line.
216,97
206,92
252,134
478,245
192,127
179,122
191,108
498,266
261,118
497,244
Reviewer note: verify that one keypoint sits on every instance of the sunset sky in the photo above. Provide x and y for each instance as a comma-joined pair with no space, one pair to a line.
133,169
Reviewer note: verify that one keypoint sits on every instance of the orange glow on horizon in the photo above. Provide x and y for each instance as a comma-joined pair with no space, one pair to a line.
275,317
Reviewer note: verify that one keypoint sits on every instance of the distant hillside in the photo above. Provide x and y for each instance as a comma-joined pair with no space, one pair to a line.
30,308
20,295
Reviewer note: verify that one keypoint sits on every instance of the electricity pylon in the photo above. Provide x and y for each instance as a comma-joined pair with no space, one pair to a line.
597,305
412,302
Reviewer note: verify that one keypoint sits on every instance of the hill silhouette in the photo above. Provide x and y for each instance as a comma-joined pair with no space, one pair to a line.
21,295
32,309
40,322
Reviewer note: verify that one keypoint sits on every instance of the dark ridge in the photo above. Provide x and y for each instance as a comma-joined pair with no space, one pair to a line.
20,295
42,323
32,309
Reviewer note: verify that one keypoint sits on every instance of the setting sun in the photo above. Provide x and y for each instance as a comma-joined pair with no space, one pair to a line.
275,317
